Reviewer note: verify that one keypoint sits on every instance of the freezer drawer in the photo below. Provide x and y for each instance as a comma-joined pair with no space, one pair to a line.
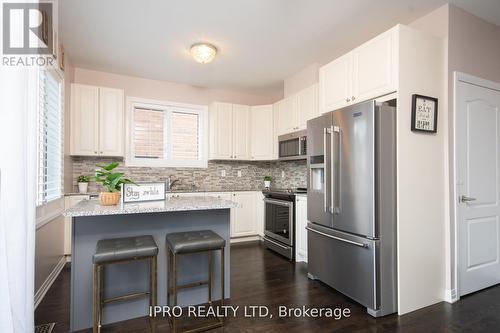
345,262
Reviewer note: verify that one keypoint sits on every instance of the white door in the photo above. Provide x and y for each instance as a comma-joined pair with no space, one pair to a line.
84,120
374,67
335,84
261,132
111,122
241,121
243,222
478,180
307,101
223,130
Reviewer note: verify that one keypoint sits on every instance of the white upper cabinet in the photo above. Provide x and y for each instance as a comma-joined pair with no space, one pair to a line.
335,84
261,132
367,72
307,105
111,122
229,131
221,131
374,67
96,121
294,111
241,119
287,115
84,120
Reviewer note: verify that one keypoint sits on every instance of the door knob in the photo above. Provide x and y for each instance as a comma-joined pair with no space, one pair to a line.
464,198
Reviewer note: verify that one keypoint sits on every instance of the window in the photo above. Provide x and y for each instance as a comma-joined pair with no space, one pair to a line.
50,130
166,134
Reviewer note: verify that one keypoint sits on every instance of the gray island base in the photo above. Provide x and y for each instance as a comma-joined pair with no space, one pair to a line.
92,222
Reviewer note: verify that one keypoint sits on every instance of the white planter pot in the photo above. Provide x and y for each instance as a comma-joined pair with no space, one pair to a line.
83,187
267,183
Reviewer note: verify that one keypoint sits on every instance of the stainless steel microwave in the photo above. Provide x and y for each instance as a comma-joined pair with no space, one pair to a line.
293,146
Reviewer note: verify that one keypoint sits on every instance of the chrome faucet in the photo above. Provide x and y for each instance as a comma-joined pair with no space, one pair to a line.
171,182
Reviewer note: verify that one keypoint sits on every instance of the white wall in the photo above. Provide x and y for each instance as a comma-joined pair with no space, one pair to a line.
168,91
306,77
421,179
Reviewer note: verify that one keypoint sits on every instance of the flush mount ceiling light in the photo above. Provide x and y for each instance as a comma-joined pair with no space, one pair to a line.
203,52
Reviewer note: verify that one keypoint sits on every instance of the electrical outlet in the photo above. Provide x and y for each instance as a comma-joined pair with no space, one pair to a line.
282,174
239,173
223,173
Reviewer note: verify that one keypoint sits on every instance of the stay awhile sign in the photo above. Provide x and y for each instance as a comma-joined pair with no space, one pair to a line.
143,192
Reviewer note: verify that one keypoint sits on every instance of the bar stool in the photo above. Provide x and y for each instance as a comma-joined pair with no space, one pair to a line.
182,243
121,250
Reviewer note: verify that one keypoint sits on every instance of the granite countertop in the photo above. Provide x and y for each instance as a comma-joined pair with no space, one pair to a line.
174,204
176,191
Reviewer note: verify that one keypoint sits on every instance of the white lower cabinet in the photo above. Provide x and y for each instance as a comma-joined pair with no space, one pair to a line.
247,220
243,221
300,228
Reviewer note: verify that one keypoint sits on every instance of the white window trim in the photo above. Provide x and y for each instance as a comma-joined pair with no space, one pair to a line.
200,110
49,210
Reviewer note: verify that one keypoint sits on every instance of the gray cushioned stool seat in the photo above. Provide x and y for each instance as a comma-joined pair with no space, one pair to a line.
194,241
125,248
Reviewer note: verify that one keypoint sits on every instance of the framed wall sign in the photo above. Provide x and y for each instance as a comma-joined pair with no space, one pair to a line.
424,111
143,192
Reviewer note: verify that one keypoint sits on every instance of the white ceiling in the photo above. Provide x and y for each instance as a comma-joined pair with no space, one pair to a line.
261,42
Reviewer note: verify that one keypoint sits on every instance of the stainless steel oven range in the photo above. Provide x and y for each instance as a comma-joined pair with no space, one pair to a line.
279,221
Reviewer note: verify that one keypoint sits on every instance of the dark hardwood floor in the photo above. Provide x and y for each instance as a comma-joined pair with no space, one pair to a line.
260,277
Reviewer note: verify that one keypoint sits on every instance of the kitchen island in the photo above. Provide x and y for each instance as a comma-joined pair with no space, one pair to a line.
92,222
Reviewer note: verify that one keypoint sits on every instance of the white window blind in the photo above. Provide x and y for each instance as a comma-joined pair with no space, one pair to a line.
50,127
148,133
185,136
167,135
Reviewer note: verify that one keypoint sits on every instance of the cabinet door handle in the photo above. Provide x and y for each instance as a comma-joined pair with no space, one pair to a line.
353,98
95,152
347,100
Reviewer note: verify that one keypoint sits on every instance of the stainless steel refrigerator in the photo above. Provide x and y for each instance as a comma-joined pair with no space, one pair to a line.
351,206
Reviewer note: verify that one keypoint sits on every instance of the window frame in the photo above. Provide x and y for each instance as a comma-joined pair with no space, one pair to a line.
168,107
45,202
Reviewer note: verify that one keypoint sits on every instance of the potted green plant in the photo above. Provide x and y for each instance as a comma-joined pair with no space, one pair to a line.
83,183
267,181
112,182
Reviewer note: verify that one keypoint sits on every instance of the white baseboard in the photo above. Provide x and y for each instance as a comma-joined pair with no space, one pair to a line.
42,291
245,239
450,295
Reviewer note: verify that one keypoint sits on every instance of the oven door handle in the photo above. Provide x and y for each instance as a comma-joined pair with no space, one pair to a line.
285,247
279,202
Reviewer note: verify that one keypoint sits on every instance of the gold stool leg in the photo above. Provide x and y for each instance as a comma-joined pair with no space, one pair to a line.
101,294
152,289
222,280
168,276
210,272
174,320
95,291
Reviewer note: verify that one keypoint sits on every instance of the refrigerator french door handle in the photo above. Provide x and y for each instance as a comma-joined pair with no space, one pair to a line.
335,173
325,198
363,245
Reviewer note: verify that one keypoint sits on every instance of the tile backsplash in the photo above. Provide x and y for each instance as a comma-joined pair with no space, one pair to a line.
209,179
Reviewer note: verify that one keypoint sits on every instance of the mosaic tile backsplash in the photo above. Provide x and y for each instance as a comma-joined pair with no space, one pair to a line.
209,179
